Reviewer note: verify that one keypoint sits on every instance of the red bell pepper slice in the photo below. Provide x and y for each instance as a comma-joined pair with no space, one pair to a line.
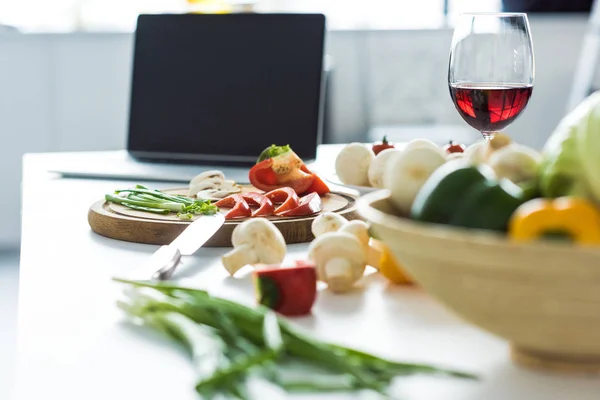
265,206
318,185
309,204
285,196
284,171
290,291
239,207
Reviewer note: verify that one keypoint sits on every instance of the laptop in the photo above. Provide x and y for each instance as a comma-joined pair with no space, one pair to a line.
213,90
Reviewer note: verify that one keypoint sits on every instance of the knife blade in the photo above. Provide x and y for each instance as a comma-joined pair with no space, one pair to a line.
164,261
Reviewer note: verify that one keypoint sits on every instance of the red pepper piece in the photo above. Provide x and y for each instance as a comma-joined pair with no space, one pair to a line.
267,176
309,204
318,185
290,291
239,207
265,206
285,196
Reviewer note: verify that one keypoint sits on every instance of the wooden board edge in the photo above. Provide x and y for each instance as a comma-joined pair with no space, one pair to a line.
158,232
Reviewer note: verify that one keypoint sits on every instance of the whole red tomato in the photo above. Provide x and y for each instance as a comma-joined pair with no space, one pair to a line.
378,147
453,147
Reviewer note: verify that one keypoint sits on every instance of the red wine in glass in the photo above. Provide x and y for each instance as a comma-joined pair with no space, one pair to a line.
491,69
490,107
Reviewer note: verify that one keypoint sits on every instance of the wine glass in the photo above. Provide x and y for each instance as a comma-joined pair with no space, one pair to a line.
491,69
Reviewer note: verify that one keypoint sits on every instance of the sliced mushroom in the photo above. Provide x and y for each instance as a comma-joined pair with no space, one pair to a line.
208,175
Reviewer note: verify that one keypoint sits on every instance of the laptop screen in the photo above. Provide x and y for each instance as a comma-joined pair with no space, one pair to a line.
221,88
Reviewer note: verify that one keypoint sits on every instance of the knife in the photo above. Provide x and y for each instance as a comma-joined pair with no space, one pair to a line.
164,261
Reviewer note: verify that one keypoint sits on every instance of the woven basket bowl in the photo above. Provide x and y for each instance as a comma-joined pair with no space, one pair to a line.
544,298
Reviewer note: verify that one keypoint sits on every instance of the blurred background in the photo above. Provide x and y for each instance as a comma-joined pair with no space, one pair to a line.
65,78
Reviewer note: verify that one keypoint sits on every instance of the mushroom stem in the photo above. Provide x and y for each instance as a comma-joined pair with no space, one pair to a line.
338,272
237,258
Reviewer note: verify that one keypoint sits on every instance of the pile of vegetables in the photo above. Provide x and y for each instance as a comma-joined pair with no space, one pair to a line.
154,201
359,164
229,343
339,255
507,187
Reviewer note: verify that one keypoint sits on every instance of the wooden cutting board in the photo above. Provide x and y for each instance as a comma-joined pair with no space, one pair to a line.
119,222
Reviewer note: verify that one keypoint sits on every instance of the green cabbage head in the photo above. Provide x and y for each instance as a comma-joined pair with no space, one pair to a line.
571,157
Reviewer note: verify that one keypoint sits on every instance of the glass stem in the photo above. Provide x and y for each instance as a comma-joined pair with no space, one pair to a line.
488,135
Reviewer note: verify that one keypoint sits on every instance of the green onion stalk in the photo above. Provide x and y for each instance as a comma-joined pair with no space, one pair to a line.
229,342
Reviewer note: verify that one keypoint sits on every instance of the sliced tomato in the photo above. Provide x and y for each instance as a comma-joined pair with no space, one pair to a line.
285,196
239,207
318,185
269,175
265,206
309,204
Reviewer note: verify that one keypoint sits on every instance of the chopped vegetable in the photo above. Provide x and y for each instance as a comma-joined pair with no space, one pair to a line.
239,207
230,342
318,185
352,164
141,198
382,258
383,145
290,291
273,151
285,197
575,218
255,241
278,167
264,204
340,259
212,185
308,205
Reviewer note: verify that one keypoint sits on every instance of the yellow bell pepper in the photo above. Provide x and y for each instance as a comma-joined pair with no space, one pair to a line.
382,258
576,217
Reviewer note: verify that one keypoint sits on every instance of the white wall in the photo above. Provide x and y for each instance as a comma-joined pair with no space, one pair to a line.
70,91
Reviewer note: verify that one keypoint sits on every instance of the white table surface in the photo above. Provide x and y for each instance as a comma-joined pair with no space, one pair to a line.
74,345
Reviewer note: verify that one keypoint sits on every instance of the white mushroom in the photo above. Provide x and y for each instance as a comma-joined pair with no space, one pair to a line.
327,222
477,153
211,185
216,194
352,164
360,229
339,258
424,144
255,241
407,172
378,166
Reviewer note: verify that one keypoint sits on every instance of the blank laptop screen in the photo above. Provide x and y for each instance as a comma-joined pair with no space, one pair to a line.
221,88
